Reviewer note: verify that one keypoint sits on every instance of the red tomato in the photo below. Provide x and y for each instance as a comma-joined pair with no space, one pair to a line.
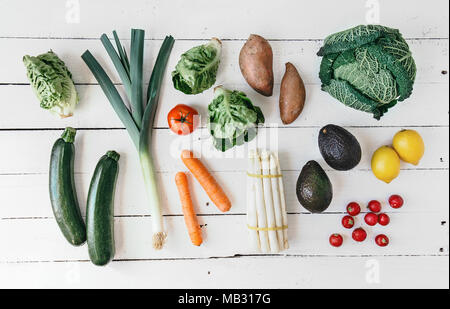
353,209
348,222
382,240
359,235
336,240
182,119
375,206
396,201
371,219
384,219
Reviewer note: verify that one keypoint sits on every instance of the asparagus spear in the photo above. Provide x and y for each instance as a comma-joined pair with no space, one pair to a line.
277,200
252,217
260,206
268,198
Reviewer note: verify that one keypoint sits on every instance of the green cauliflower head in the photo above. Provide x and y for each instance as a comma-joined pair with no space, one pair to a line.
369,68
197,69
52,82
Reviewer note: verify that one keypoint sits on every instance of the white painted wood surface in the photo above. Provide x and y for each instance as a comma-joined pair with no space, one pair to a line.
34,254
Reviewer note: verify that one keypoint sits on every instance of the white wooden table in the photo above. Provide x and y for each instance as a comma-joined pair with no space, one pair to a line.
33,252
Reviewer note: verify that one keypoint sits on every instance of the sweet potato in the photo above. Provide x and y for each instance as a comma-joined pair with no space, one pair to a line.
256,62
292,95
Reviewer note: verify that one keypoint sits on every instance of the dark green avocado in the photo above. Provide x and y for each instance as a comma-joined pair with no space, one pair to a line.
339,148
314,188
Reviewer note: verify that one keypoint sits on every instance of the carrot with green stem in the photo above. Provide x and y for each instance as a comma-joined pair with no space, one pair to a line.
206,180
190,218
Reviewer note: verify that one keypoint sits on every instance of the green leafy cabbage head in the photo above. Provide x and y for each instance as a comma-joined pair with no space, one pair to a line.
197,69
233,119
52,83
369,68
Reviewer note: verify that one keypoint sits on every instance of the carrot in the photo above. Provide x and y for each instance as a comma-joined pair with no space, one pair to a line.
206,180
190,218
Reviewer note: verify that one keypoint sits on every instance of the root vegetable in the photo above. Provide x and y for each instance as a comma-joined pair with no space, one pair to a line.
206,180
292,95
256,63
190,218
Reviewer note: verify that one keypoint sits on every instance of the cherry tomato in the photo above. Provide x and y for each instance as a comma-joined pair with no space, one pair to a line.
396,201
359,235
182,119
371,219
384,219
336,240
375,206
353,209
348,222
382,240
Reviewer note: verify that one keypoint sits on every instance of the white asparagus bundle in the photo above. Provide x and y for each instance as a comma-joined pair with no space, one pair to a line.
266,210
268,200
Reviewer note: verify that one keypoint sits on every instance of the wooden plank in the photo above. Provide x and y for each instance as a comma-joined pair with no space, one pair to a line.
26,196
29,240
431,57
320,109
281,19
288,272
29,151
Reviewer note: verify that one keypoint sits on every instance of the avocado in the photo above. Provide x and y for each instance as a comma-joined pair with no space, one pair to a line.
314,188
339,148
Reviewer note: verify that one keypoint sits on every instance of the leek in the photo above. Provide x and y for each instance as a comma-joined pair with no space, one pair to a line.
139,118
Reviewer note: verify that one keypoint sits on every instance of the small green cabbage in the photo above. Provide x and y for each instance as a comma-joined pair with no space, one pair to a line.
369,68
233,119
197,69
52,82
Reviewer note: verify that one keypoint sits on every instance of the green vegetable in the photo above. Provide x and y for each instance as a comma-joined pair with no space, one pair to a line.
233,119
138,126
369,68
52,82
100,209
197,69
63,195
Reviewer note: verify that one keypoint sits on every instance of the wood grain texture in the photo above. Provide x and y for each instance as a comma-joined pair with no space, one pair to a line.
253,272
34,252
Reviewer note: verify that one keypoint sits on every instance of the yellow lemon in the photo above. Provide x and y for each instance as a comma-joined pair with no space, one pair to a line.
386,164
409,146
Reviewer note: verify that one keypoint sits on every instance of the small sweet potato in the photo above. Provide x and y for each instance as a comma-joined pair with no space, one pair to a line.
256,62
292,95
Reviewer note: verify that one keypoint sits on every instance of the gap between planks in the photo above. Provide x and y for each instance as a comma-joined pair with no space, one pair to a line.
431,169
198,39
204,127
296,213
237,256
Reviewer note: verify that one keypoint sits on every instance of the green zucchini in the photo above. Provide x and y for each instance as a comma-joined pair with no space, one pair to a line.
63,195
100,209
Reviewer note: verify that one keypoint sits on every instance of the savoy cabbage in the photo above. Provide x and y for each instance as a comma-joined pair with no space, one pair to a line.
369,68
197,69
52,82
